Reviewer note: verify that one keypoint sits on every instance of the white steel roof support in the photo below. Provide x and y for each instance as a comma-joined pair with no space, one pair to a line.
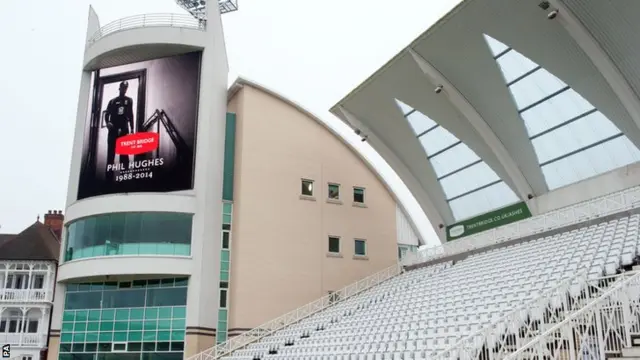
516,179
602,62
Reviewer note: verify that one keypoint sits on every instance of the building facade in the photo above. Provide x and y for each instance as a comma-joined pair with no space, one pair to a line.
306,215
28,264
185,205
139,259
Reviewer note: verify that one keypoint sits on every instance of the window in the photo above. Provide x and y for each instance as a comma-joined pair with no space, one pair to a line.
225,239
334,244
334,191
358,195
223,298
151,326
129,233
32,326
119,347
307,187
17,281
360,247
402,252
38,282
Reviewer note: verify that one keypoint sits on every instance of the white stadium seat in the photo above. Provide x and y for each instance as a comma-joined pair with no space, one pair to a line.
429,309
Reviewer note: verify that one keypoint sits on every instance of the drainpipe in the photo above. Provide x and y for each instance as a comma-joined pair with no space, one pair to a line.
53,297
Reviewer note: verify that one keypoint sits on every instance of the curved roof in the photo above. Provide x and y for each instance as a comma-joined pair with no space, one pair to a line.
241,81
499,102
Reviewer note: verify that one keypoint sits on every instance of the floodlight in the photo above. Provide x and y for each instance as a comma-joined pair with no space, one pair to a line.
198,8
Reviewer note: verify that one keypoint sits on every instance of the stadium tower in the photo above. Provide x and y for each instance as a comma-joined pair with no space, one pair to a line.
145,184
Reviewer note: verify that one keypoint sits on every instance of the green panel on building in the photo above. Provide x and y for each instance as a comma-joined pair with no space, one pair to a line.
229,157
126,320
490,220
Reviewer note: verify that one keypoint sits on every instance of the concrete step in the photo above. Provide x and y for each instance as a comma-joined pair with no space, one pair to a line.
631,352
636,267
636,341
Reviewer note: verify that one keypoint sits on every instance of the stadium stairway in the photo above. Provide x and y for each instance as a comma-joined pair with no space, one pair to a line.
486,306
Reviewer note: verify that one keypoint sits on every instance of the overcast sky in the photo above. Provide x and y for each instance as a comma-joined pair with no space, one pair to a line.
311,51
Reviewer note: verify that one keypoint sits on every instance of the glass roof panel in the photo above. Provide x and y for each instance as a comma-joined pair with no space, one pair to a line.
463,176
468,179
490,198
419,122
535,87
514,67
555,111
596,160
453,159
578,134
572,140
496,46
404,107
436,140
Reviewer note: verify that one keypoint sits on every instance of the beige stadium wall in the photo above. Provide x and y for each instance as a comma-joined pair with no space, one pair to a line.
279,251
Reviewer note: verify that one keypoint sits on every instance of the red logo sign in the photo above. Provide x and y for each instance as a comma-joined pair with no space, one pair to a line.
138,143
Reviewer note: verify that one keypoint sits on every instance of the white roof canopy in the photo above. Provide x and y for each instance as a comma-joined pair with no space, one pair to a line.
527,104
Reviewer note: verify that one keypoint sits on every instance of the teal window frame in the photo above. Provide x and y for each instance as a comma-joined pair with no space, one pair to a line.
150,328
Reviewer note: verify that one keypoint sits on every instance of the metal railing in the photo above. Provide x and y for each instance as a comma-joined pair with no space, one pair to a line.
25,295
23,339
592,209
524,323
148,20
598,330
296,315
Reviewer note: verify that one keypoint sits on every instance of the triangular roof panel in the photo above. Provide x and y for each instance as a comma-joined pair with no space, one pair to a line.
573,141
470,186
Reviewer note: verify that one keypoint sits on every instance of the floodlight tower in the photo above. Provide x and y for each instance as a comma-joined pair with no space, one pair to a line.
198,8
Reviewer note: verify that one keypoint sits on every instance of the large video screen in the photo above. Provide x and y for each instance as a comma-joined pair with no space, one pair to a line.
141,127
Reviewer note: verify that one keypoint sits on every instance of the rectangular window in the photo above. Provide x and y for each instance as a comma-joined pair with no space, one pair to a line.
225,240
360,247
223,298
38,282
334,244
19,281
307,187
119,347
32,326
334,191
358,195
13,326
